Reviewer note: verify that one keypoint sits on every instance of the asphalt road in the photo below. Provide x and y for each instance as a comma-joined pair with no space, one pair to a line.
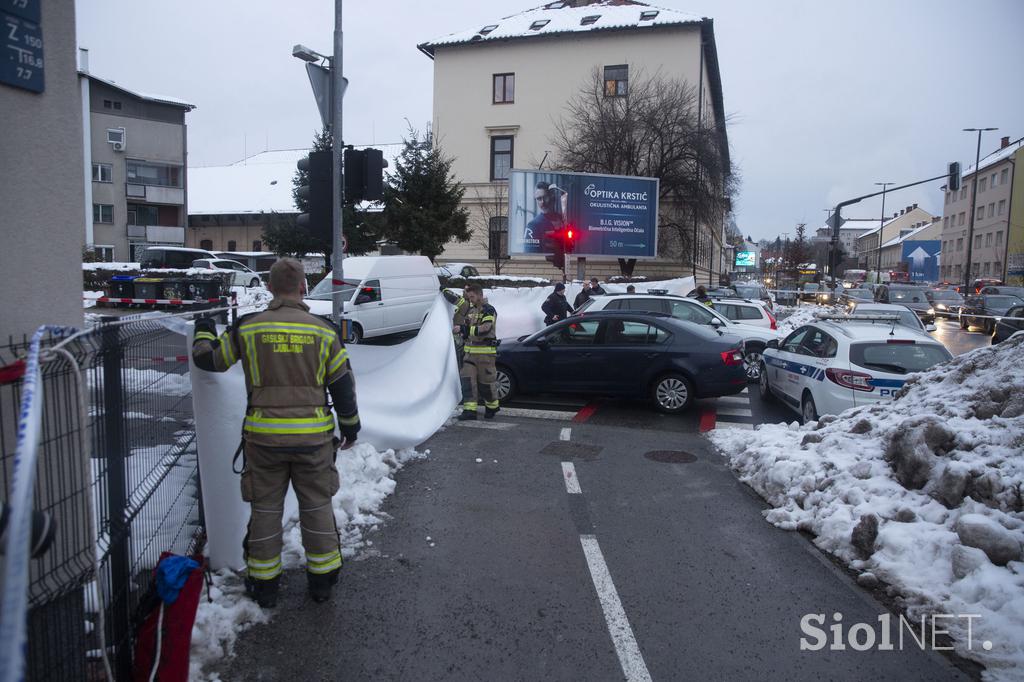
653,570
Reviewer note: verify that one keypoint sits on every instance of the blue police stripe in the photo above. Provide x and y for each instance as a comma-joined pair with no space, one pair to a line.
887,383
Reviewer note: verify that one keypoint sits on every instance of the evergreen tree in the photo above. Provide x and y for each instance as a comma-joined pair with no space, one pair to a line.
422,199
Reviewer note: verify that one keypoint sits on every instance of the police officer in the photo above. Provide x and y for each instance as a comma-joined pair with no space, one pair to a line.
292,359
478,373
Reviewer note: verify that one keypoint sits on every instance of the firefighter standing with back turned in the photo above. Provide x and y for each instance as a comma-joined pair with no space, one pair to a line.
458,319
292,359
478,371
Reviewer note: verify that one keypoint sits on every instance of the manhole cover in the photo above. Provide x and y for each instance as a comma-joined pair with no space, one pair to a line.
671,457
569,450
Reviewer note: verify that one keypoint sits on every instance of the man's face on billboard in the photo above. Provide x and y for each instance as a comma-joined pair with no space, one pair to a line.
545,200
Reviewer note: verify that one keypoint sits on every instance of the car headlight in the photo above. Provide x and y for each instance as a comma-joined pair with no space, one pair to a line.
931,311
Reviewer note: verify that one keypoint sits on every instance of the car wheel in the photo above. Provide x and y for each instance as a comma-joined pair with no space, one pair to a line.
752,362
357,334
673,393
989,327
254,282
808,410
763,389
504,383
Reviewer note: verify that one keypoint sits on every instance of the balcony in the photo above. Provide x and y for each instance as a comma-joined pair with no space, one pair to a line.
157,233
156,194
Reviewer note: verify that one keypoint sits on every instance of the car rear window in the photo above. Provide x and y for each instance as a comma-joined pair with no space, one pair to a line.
898,358
1001,301
749,312
946,296
907,295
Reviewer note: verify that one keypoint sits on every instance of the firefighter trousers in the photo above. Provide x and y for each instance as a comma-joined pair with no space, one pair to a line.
478,381
311,472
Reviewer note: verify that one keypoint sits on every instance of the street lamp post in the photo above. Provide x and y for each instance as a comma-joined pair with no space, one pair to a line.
881,224
974,206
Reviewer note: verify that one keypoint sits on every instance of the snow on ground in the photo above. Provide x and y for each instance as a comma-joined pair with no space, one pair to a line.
111,266
941,471
791,317
367,478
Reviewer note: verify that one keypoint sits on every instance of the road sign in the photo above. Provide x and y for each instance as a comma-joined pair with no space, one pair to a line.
21,54
610,215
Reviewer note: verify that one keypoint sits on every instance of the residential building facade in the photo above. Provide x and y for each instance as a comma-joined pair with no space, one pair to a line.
998,238
136,154
850,231
500,89
905,221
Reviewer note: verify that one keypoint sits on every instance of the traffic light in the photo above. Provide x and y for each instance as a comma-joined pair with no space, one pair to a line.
571,236
554,241
318,194
364,174
954,176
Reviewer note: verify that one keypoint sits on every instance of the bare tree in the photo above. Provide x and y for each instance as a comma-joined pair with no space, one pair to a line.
654,131
493,214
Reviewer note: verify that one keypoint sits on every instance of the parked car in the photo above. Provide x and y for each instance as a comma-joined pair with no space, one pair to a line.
1011,323
382,294
831,365
456,270
1009,291
176,257
851,296
809,291
238,275
985,310
909,295
754,292
754,338
907,316
715,293
747,312
625,354
945,302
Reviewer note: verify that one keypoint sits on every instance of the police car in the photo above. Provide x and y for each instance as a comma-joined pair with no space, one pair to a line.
843,361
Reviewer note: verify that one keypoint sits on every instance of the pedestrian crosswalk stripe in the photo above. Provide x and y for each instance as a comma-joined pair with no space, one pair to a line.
565,434
537,414
733,411
497,426
746,426
734,400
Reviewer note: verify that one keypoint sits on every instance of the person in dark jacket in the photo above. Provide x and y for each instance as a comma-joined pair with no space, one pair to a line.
591,288
702,296
556,307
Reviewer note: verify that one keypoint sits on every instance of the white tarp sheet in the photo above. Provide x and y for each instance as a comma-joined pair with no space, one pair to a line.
405,393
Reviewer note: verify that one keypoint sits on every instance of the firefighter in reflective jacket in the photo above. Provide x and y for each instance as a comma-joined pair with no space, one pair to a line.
458,319
478,373
292,359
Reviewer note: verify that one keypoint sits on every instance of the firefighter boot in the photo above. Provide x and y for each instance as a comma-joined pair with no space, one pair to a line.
320,585
489,412
263,592
467,415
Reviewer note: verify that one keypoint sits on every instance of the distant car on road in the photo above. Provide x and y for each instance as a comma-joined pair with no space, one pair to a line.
1008,291
754,292
809,291
1011,323
914,297
906,316
834,364
238,274
747,311
625,354
945,302
985,310
851,296
755,338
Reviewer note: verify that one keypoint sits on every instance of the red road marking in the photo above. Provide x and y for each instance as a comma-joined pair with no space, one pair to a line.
707,419
585,413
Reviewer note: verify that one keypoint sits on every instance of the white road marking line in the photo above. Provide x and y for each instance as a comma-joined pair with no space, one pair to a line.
734,425
497,426
734,400
537,414
572,484
733,412
564,435
630,658
745,390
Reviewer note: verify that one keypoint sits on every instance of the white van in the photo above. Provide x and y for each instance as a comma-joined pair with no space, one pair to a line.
382,294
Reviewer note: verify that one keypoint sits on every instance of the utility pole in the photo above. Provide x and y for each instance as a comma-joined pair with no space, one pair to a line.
881,224
974,207
338,191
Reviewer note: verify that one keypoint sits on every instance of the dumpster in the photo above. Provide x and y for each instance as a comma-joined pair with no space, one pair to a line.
204,289
122,286
174,288
148,287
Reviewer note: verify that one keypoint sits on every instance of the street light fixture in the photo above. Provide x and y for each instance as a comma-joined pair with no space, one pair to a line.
307,55
974,206
881,224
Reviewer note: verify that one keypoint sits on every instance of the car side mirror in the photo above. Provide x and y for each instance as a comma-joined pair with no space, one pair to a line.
715,322
929,327
543,343
773,343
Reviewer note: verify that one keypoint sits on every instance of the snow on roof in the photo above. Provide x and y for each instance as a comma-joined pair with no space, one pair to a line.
997,156
161,99
571,16
899,239
257,184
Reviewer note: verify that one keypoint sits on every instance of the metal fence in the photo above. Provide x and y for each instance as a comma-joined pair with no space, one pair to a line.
118,471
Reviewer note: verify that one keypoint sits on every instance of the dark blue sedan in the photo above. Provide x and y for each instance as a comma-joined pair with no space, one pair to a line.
631,355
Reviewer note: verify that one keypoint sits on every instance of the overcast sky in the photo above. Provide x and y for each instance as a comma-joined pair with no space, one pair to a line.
825,97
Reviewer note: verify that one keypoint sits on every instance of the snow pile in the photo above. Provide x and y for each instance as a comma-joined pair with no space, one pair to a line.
791,317
367,478
111,266
925,492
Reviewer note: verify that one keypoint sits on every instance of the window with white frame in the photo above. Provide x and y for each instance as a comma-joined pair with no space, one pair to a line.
962,217
991,210
102,213
988,240
101,172
981,185
1002,207
1004,176
992,180
999,238
980,213
104,252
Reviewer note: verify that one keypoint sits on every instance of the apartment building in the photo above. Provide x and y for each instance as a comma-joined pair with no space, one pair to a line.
905,221
994,230
849,232
500,88
136,153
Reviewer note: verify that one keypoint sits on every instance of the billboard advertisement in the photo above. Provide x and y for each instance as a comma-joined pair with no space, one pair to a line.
922,259
747,259
614,216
